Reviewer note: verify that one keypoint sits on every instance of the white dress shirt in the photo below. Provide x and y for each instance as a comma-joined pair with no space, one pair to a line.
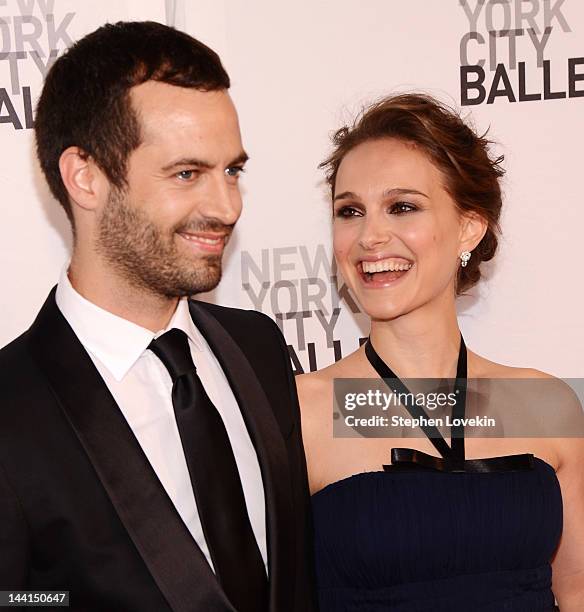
142,388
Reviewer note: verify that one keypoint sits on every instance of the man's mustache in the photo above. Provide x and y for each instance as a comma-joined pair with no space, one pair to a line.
209,225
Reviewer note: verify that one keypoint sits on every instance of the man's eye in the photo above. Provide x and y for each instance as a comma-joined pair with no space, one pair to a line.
400,208
186,175
234,171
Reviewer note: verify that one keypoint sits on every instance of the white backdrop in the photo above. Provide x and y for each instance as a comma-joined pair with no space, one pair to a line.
302,69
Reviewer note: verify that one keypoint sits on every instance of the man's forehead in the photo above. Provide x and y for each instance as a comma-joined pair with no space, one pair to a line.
163,109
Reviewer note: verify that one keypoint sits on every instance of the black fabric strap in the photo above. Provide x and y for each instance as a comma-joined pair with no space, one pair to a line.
453,457
417,412
215,479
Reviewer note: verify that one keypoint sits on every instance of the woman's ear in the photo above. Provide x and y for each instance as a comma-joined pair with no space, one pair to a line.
84,181
473,228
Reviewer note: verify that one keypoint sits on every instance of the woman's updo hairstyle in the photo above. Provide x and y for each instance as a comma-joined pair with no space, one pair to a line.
471,176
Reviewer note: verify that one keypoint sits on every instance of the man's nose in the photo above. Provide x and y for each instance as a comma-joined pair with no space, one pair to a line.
222,199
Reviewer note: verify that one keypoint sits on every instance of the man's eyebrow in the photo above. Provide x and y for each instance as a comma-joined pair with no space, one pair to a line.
187,161
396,191
239,160
201,163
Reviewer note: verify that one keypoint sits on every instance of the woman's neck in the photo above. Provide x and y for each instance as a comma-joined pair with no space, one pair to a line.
421,344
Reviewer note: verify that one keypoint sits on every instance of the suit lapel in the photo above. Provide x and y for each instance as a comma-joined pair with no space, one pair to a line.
271,450
176,563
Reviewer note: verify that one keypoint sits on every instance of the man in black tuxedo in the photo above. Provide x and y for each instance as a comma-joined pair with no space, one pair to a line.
150,449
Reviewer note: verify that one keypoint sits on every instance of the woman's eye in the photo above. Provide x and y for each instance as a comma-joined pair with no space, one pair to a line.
234,171
347,211
400,208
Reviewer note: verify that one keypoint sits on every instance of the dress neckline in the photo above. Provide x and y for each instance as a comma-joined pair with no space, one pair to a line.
342,482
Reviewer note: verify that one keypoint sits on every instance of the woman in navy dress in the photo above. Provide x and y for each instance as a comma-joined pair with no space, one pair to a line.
432,523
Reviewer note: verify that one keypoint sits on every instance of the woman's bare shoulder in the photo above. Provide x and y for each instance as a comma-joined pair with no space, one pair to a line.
485,368
555,404
548,386
316,387
313,390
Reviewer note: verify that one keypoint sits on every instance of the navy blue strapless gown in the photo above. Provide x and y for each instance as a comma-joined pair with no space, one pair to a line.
439,534
429,541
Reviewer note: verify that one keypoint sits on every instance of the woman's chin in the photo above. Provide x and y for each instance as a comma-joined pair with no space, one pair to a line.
383,311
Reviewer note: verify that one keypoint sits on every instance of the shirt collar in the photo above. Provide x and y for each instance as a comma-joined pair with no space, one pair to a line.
115,341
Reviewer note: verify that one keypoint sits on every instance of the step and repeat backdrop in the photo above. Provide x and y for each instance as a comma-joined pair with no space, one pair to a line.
300,70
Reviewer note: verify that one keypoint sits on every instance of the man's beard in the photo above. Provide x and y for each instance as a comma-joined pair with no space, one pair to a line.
148,258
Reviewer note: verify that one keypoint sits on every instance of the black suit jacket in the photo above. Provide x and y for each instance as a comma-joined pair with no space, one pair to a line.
82,510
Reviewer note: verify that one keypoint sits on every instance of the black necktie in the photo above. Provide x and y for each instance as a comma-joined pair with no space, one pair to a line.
234,551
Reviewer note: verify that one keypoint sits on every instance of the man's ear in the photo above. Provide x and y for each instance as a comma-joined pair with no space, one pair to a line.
85,182
473,228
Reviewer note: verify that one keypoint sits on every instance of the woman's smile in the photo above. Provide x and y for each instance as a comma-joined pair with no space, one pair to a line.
383,272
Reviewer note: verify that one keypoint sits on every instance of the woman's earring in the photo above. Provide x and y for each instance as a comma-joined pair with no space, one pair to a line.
464,257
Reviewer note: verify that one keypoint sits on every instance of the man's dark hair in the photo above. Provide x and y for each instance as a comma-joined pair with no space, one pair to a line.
85,100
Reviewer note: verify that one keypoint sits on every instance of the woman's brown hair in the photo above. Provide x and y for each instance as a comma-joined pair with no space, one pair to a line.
471,175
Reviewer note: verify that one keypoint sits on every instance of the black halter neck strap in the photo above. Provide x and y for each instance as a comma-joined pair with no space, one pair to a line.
454,452
452,457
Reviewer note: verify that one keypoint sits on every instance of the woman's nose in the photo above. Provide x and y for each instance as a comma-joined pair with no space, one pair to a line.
374,234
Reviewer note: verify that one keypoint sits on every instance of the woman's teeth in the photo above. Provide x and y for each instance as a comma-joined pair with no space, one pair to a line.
385,265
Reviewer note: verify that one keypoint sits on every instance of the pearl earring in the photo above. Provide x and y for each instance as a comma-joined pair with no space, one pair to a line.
464,257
